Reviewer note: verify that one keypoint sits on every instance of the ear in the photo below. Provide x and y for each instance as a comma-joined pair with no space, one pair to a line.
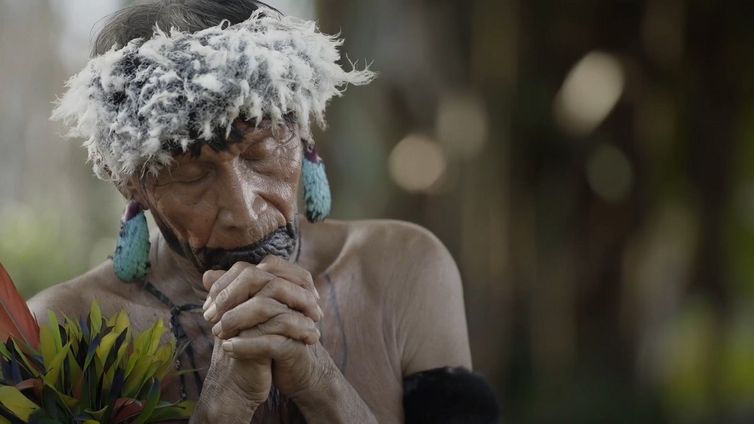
131,189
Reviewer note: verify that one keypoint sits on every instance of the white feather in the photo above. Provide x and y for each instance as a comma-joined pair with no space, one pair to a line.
131,104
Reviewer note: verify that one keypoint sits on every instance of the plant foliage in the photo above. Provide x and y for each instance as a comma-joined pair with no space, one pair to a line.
88,371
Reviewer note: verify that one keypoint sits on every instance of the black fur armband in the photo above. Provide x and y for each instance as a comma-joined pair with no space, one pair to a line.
449,395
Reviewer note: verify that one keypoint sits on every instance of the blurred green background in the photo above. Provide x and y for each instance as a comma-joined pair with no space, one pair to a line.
588,163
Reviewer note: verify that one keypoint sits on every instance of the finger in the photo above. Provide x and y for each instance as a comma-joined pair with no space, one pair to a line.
291,324
266,346
293,296
248,315
227,278
209,277
243,290
246,284
290,271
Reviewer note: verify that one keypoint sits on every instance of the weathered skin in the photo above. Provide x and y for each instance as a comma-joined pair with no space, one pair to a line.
389,292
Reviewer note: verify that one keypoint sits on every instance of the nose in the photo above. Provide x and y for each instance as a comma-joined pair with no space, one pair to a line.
239,204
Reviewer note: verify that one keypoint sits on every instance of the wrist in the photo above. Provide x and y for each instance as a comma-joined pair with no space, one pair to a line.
322,378
330,398
222,403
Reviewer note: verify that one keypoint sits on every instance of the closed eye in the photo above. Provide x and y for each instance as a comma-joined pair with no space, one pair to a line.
193,179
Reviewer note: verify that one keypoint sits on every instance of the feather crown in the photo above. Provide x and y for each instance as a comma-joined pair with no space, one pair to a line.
138,104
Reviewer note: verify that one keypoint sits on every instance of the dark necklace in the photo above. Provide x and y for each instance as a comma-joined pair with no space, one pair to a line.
182,340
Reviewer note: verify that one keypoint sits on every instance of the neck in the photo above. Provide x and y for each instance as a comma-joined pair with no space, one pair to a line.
175,275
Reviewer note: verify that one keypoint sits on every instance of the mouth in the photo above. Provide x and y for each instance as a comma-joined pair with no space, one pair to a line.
281,242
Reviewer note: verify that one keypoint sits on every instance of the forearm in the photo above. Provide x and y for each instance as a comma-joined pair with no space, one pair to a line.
218,404
334,400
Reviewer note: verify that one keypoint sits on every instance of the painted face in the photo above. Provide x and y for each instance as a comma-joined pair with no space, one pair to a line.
218,206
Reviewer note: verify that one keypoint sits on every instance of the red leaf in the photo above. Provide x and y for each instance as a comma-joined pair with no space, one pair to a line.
16,320
126,408
32,383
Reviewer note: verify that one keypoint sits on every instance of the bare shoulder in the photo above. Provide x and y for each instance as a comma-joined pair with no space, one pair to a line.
404,257
420,287
422,294
74,297
390,233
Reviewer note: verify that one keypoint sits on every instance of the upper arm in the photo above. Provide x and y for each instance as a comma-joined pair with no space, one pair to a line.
428,298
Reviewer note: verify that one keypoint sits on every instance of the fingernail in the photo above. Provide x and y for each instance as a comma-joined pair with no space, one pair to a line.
217,329
316,293
210,313
206,303
228,346
321,314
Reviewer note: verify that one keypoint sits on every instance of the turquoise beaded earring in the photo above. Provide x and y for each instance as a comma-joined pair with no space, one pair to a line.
316,188
131,257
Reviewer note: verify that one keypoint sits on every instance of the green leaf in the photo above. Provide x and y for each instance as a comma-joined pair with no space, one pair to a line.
13,400
136,379
5,352
56,365
119,322
95,316
54,329
98,414
47,343
170,411
76,372
31,369
153,397
53,407
65,400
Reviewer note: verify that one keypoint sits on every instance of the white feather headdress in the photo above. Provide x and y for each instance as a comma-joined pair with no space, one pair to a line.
136,104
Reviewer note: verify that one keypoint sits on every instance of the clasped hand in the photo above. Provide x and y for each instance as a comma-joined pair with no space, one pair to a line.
265,319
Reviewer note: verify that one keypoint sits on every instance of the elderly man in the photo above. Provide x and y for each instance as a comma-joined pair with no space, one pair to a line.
199,112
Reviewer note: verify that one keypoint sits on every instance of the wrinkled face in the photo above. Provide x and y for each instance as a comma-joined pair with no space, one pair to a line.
225,205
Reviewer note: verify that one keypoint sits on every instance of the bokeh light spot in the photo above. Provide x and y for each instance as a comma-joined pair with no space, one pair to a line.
417,163
590,91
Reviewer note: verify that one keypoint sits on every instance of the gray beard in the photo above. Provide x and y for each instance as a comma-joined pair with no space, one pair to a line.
281,242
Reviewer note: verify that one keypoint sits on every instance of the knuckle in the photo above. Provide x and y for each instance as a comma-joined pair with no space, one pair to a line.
222,298
246,274
275,259
270,260
260,306
238,266
214,290
255,309
270,288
